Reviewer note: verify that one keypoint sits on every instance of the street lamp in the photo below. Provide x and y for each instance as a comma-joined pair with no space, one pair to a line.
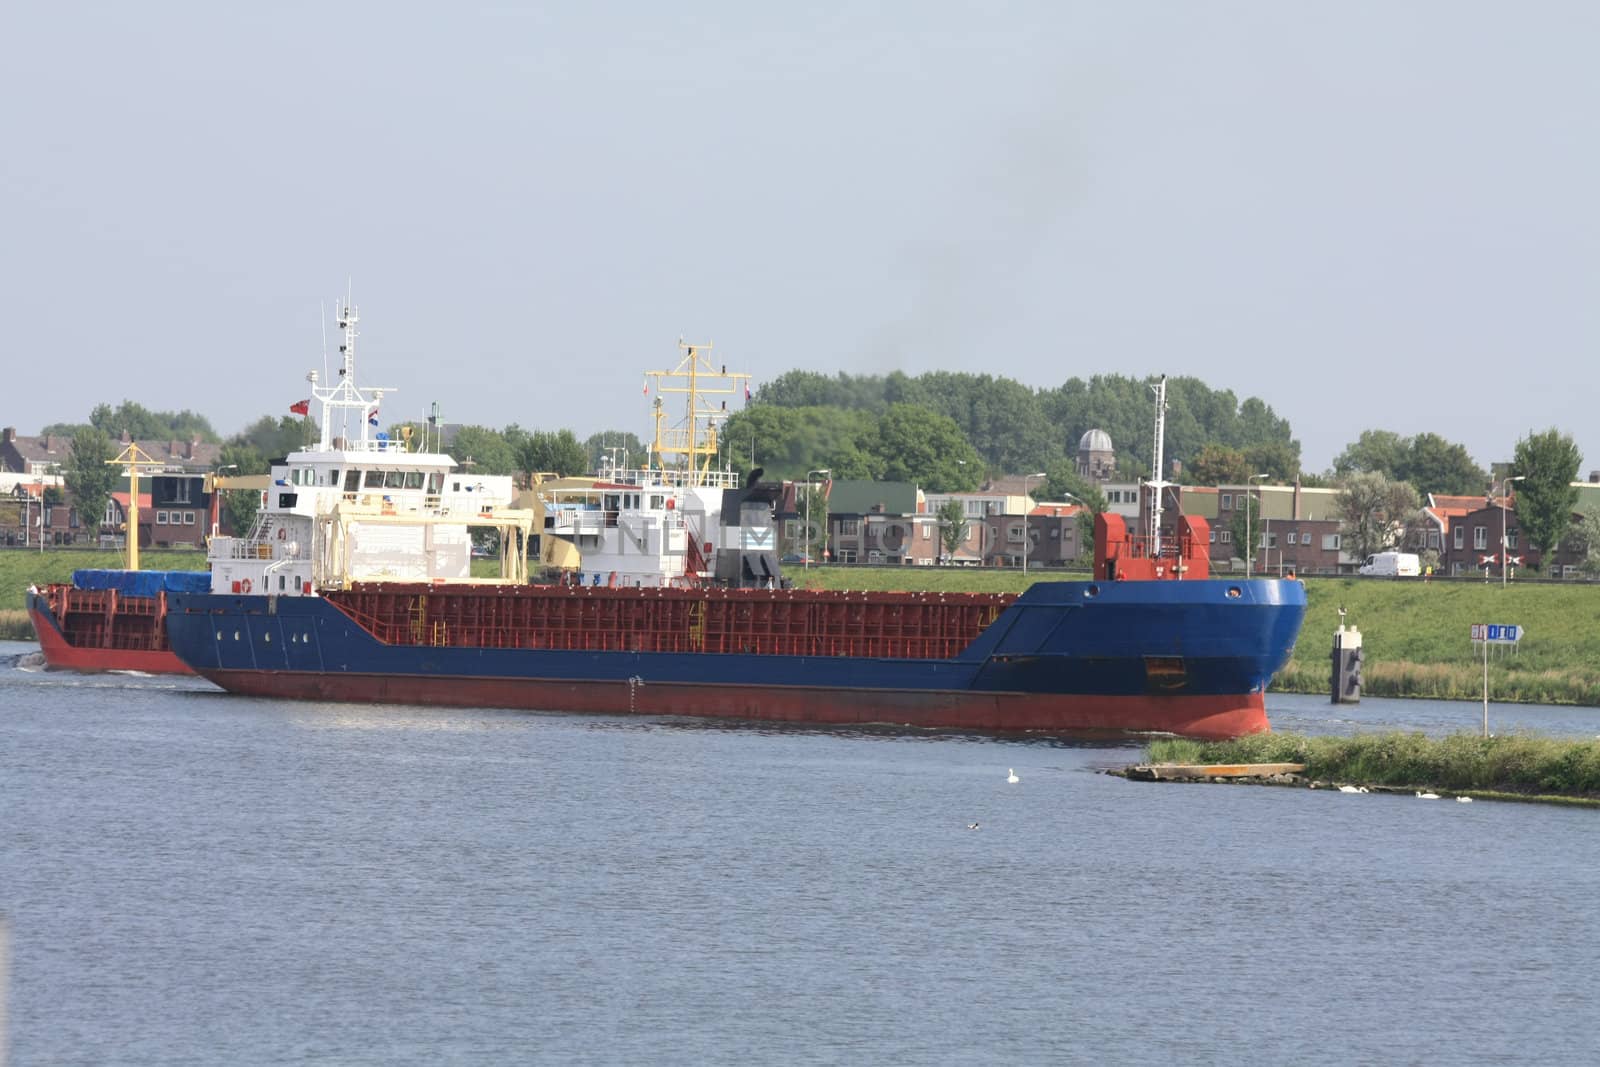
1505,552
1250,560
806,564
1027,540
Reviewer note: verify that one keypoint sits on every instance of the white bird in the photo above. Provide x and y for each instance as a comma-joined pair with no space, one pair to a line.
1011,775
1463,800
1351,789
1429,796
972,826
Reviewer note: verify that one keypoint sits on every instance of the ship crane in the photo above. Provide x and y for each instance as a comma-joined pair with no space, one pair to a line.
131,459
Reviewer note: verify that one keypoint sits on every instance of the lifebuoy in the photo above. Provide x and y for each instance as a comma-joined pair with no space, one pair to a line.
244,586
283,533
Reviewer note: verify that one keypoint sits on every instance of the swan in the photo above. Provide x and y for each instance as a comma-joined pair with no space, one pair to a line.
1351,789
1463,800
1429,796
1011,775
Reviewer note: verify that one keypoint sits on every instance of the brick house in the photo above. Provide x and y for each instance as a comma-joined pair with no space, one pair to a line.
1051,531
1295,529
1473,545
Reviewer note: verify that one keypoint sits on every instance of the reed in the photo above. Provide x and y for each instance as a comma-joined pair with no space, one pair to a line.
14,626
1518,764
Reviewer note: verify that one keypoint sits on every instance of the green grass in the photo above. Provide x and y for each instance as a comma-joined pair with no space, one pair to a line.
19,568
1416,642
1521,765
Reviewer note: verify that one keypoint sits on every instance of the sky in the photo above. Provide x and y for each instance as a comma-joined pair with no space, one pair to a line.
1371,215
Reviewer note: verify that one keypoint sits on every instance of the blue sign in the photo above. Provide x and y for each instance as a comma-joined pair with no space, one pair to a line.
1503,633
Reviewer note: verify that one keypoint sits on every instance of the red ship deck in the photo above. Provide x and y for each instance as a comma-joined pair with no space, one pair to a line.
587,618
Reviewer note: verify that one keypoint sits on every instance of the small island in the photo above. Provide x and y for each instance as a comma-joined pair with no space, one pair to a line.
1519,767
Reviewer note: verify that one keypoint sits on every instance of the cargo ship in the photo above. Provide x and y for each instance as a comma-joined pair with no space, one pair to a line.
680,607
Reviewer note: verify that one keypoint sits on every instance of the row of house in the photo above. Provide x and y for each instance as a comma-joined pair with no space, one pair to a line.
177,507
1293,529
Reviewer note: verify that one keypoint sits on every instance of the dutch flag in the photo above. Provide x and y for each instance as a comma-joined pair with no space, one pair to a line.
372,417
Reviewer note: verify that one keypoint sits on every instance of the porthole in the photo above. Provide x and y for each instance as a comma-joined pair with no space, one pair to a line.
1092,591
267,638
236,635
1234,592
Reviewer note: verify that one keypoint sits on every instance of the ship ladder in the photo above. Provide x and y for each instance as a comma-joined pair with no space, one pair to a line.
419,619
441,633
697,625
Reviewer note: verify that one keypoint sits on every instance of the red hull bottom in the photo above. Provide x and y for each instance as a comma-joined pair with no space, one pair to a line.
60,655
1207,717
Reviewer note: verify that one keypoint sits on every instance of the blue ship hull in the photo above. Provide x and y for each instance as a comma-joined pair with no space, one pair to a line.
1190,657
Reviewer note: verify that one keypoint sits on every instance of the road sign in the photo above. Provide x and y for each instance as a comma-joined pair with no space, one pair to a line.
1499,633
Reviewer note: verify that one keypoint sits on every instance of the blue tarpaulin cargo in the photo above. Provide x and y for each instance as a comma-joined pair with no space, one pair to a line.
144,583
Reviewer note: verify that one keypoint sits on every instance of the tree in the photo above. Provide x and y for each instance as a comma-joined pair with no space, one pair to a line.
920,446
239,506
1546,498
1374,511
1280,459
275,436
1434,465
1219,465
626,447
1379,451
90,476
483,451
556,452
953,524
1429,462
1589,533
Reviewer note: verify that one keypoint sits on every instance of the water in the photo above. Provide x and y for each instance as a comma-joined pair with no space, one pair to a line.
193,878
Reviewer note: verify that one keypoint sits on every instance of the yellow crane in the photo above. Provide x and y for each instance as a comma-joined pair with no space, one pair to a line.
132,458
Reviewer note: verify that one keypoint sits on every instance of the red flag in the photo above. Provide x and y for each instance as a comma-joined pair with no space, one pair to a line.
747,390
300,407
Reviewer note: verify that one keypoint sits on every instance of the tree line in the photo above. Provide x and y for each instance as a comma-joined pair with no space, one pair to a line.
947,432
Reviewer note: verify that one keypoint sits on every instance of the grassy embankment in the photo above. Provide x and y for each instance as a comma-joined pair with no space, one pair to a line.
19,569
1516,766
1415,634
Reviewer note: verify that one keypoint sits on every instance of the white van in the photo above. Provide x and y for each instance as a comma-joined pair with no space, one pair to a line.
1392,565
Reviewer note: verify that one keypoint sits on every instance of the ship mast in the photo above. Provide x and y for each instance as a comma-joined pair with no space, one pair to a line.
345,399
702,383
1157,483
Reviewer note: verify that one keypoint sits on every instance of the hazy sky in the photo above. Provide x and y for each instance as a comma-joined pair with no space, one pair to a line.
1368,214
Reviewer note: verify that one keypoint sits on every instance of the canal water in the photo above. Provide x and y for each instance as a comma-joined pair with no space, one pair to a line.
188,877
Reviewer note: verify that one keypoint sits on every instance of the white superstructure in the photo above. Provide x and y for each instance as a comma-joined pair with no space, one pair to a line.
360,507
643,527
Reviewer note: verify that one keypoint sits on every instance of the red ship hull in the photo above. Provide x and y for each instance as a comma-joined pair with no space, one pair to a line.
131,640
1212,716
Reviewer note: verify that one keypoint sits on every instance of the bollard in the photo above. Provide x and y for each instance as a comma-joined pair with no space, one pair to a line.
1347,665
